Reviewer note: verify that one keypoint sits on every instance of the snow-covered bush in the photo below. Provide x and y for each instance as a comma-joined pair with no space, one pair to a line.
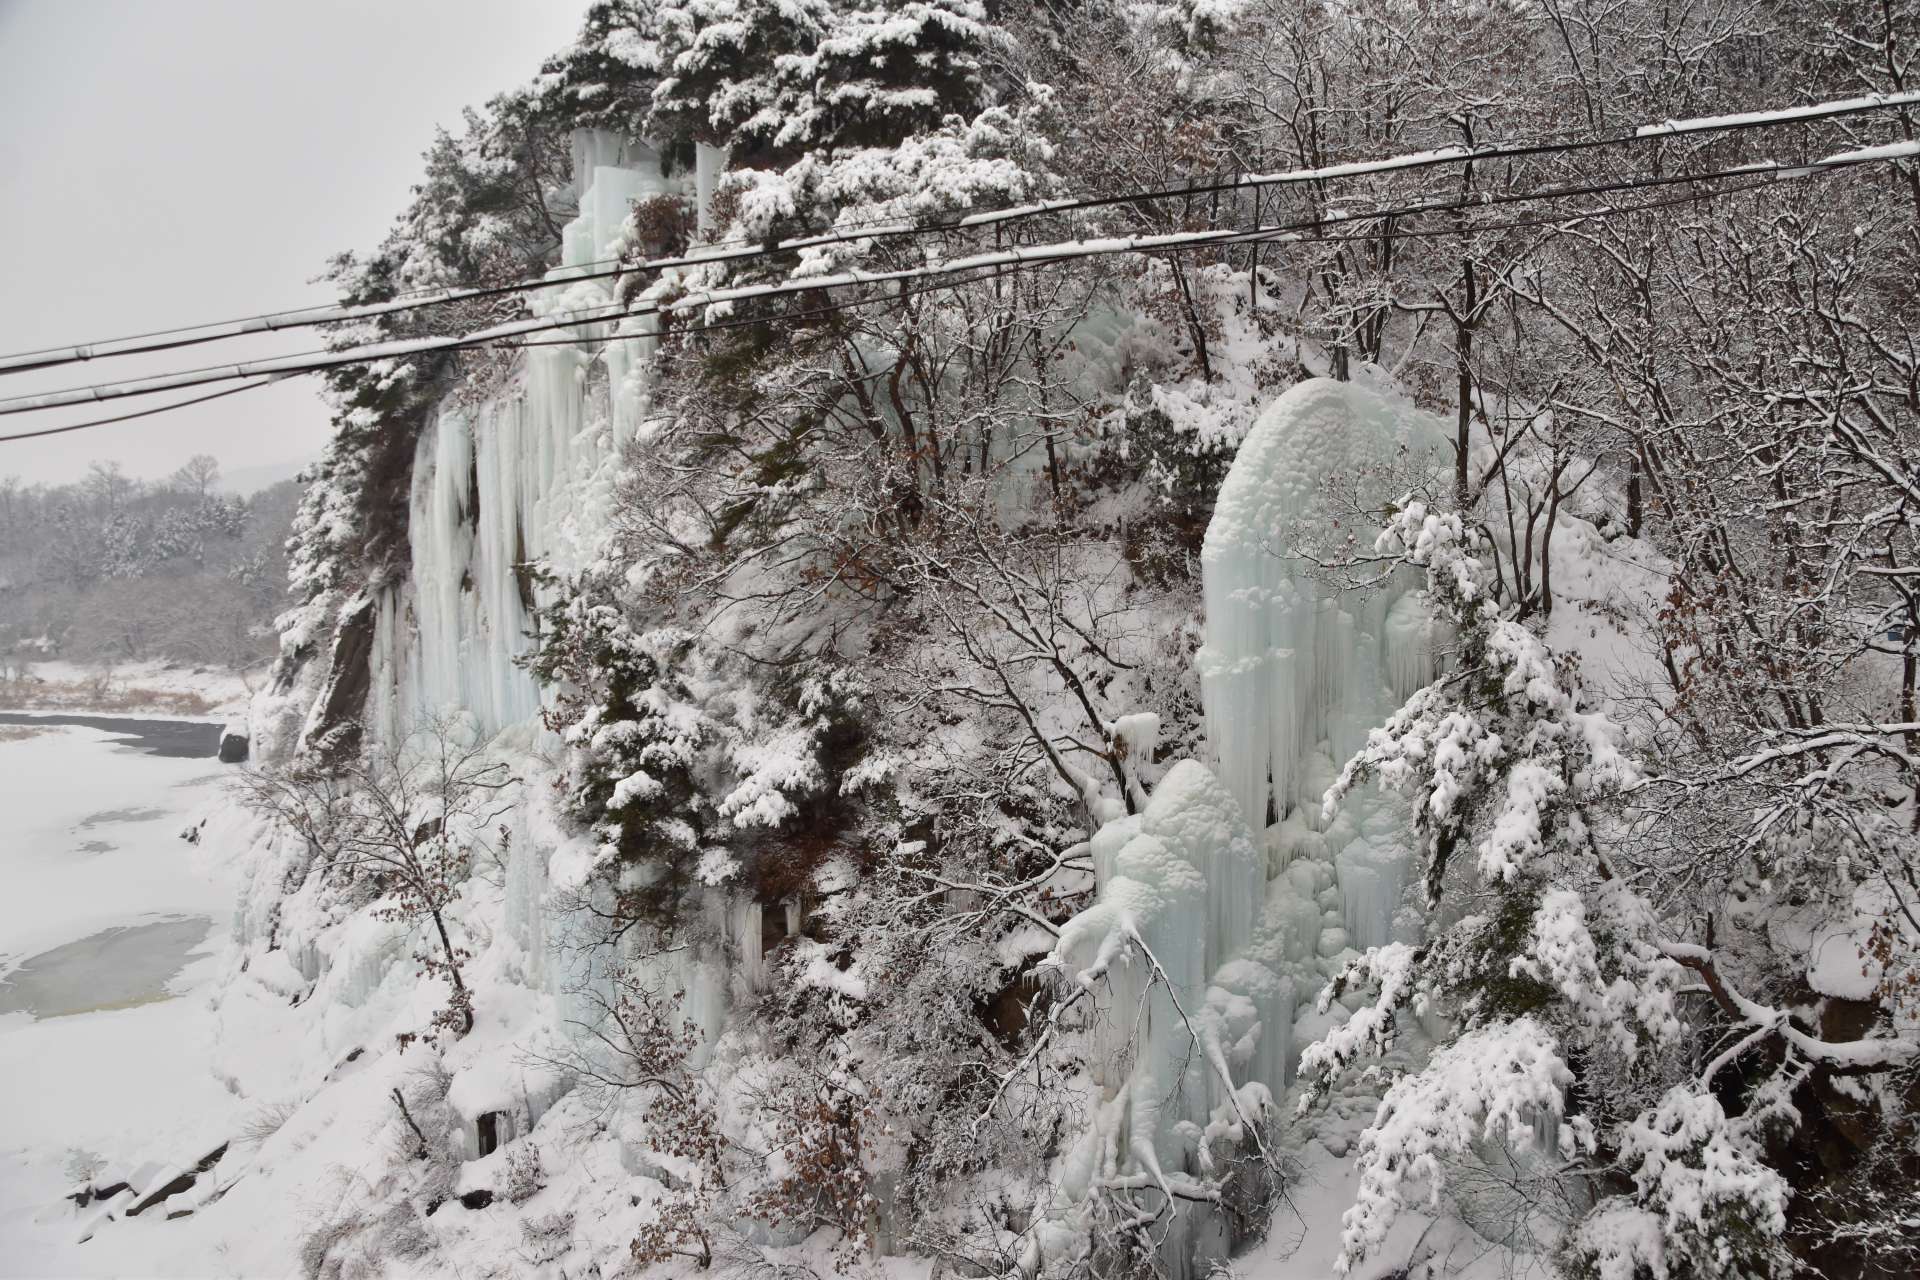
398,830
526,1175
1550,958
634,733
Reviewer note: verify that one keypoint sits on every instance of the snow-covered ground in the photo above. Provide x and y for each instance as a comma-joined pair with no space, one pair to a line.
147,689
113,925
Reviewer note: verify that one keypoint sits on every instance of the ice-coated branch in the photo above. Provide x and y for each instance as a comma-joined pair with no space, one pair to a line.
1842,1057
1208,1045
1395,970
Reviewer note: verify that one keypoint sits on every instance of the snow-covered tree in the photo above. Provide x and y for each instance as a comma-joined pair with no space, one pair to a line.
1563,978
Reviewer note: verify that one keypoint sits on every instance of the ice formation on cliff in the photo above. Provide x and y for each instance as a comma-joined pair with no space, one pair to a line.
1223,906
1293,673
1230,882
525,475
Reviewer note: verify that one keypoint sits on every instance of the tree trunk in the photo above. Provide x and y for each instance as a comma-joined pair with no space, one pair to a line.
453,974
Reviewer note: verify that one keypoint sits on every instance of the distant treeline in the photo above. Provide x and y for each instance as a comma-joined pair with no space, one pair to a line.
112,569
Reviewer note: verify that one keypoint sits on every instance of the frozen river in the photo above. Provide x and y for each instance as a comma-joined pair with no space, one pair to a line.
105,906
111,927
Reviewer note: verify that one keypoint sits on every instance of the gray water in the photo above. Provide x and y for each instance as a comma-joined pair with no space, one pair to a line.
114,969
179,739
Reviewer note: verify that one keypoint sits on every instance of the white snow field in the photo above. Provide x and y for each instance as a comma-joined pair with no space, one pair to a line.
110,928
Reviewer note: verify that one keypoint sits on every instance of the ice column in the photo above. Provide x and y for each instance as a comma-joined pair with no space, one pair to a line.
1295,673
1289,668
1245,918
1156,872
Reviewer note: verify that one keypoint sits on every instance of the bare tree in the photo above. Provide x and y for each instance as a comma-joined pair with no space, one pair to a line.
197,475
403,823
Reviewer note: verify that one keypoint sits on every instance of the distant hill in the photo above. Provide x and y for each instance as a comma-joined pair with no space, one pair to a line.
246,480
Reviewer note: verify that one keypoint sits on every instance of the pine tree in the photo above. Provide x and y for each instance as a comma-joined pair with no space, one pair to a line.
889,72
740,73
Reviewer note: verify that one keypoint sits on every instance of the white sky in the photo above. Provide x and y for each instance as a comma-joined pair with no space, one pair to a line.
167,162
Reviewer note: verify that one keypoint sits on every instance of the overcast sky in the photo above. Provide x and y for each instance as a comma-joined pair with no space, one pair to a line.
174,161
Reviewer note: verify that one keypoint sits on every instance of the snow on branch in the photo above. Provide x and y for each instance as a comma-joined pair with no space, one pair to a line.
1490,1084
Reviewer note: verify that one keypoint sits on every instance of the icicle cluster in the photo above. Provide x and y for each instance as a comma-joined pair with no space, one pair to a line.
1227,901
521,477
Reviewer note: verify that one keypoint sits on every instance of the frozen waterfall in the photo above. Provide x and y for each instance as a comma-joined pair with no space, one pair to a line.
1243,894
1293,674
524,475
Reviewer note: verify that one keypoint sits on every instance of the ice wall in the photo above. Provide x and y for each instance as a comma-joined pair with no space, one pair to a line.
503,480
523,475
526,474
1298,665
1294,673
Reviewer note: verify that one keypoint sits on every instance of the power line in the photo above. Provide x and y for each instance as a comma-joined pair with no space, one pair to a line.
173,339
1256,236
595,314
1762,176
1059,251
142,413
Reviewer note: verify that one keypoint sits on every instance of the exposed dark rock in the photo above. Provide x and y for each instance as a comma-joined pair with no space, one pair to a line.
180,1182
336,732
477,1199
184,1181
233,745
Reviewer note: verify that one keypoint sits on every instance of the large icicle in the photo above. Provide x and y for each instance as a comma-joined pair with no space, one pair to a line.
1294,673
526,475
1245,918
1288,670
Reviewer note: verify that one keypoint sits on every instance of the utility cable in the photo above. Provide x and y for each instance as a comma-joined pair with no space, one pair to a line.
1762,176
1059,251
162,340
143,413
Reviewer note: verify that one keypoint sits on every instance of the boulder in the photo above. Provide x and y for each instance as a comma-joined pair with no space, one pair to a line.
233,743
